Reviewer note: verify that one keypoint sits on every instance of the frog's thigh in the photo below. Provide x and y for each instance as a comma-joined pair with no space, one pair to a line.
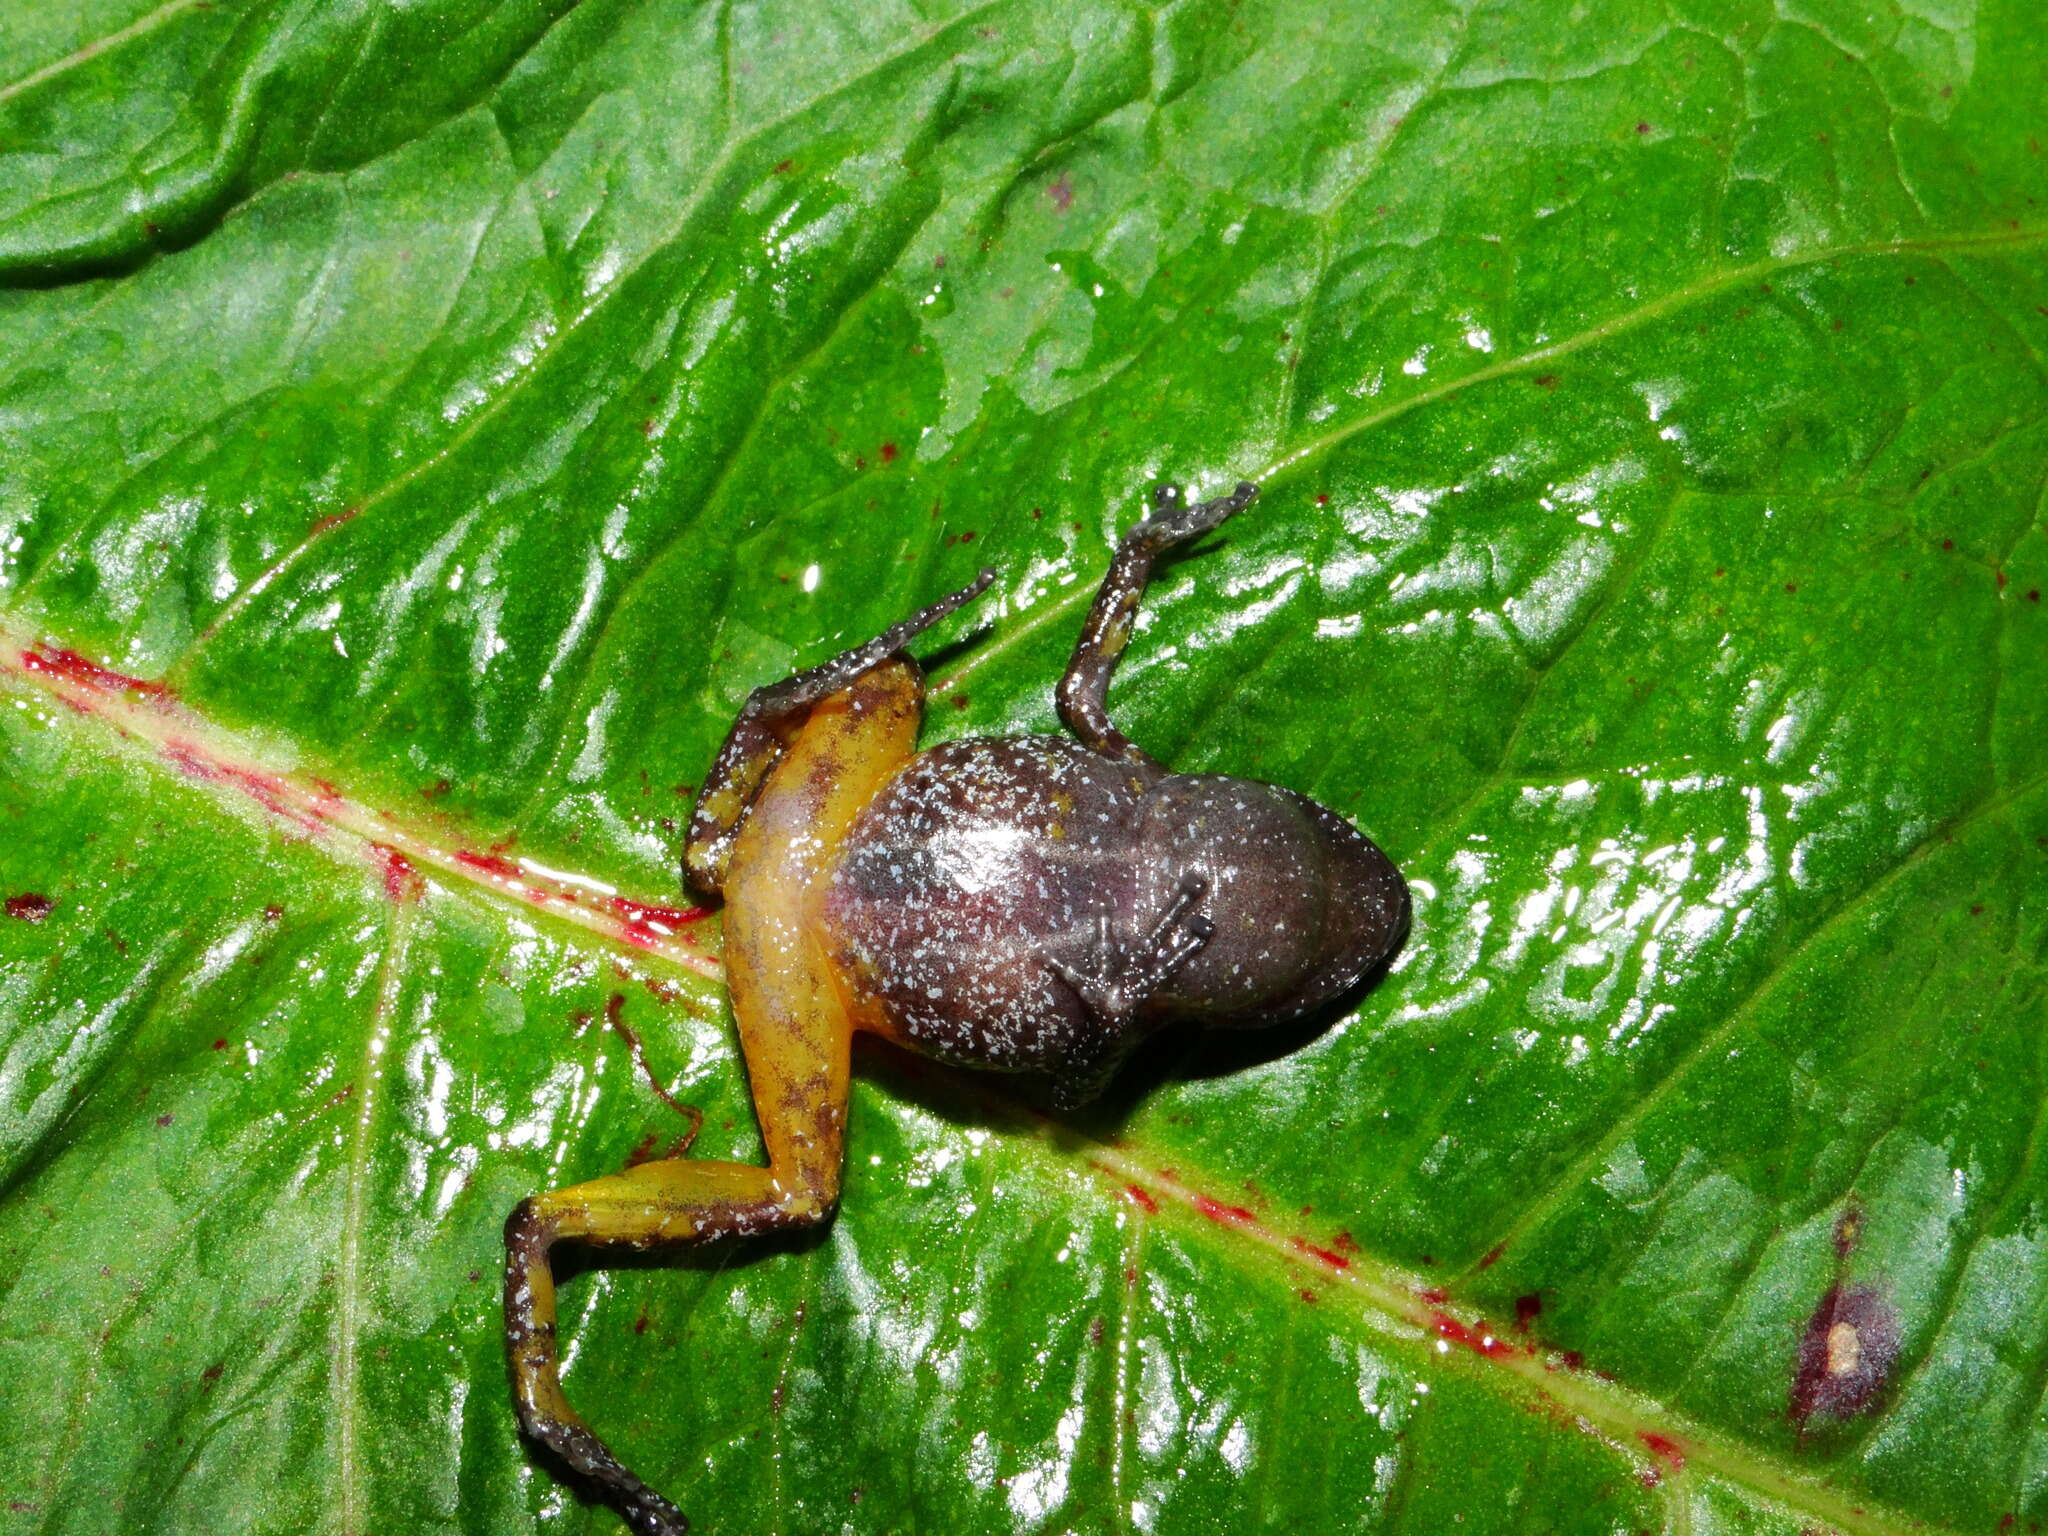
792,1016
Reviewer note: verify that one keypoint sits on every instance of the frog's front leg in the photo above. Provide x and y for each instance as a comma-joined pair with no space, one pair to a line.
795,1032
768,723
1117,978
1084,687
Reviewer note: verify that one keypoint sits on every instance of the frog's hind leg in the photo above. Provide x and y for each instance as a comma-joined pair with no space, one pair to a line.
768,722
795,1031
653,1204
1084,688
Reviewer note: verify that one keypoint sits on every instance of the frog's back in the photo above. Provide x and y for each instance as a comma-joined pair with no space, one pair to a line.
978,861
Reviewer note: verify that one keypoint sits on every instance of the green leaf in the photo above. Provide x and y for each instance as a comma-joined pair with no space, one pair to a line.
450,411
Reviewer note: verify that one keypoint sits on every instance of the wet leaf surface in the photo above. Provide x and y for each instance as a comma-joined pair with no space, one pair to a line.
418,430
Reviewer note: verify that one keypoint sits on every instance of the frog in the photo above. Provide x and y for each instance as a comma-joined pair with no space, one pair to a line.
1023,904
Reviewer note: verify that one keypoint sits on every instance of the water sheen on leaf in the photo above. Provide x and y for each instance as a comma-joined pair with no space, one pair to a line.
419,428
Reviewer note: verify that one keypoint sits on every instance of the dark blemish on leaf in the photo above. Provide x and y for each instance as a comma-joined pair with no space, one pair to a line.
1947,91
1945,543
1977,909
1642,127
1547,381
1434,1295
1912,281
1322,1256
959,701
475,1275
2033,594
2001,580
29,907
212,1373
1493,1255
1309,1297
1791,586
1845,1355
332,520
1344,1242
1037,512
782,168
888,453
435,790
221,1044
1848,1228
1322,501
1061,192
162,1121
1528,1307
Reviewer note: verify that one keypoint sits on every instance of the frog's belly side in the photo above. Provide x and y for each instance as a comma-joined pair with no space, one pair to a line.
979,860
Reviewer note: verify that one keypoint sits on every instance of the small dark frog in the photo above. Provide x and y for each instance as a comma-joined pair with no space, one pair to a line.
1023,904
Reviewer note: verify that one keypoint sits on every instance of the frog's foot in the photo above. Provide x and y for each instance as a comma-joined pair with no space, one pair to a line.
1117,976
1173,520
1084,687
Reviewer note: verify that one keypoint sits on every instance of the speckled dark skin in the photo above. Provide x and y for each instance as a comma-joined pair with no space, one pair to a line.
1042,904
1020,903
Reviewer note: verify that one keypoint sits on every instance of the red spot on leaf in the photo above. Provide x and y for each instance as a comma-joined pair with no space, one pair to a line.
29,907
331,520
1061,192
489,864
1142,1198
74,668
647,926
1321,1255
1546,381
1478,1340
888,453
1528,1308
401,880
1493,1255
221,1044
1223,1213
1664,1448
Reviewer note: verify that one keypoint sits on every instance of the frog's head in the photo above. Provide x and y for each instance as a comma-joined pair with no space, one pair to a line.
1304,906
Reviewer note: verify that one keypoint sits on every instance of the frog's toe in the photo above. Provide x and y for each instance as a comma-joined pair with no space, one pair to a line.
652,1515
